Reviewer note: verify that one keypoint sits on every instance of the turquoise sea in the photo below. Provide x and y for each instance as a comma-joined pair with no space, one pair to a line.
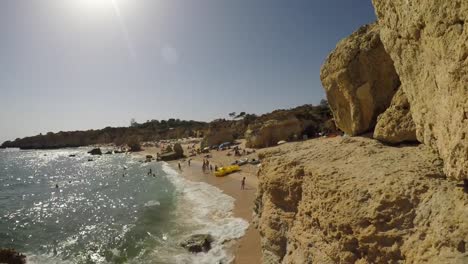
108,210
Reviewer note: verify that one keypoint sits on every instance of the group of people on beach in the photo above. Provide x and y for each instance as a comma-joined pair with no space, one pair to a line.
207,166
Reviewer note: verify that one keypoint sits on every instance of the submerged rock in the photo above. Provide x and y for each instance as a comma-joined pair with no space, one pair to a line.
198,243
428,42
360,80
11,256
96,151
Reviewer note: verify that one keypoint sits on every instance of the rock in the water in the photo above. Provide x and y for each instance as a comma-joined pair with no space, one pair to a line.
428,42
198,243
10,256
260,135
360,80
396,125
96,151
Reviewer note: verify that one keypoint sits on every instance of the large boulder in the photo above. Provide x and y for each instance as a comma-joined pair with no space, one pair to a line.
428,42
267,134
11,256
396,124
359,80
96,151
198,243
178,150
172,153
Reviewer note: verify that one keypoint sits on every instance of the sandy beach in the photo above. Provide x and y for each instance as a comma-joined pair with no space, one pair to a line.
247,250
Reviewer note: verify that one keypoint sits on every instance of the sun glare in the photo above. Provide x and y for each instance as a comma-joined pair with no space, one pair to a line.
93,5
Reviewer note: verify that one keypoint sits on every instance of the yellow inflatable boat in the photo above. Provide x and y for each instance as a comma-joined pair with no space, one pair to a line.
223,171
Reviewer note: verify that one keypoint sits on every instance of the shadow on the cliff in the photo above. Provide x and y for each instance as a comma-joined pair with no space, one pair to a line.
464,185
370,135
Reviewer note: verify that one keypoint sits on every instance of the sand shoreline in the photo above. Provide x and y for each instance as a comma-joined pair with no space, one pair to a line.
247,249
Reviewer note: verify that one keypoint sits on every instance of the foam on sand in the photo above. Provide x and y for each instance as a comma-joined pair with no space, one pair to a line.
209,210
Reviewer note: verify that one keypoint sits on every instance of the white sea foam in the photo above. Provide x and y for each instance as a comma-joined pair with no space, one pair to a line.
210,211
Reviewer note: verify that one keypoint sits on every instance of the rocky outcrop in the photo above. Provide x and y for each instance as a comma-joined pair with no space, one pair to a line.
396,124
343,200
11,256
178,150
267,134
360,80
96,151
198,243
217,135
172,153
428,42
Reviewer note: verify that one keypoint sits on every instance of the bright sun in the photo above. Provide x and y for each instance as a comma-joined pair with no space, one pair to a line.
94,5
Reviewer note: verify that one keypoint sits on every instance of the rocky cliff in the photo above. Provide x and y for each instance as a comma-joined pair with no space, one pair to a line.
396,124
428,42
354,200
359,79
290,124
269,133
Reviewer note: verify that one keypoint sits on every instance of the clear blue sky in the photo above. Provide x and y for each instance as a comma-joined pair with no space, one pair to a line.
81,64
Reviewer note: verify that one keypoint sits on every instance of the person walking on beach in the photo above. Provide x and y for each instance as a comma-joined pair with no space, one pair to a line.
180,168
243,184
189,162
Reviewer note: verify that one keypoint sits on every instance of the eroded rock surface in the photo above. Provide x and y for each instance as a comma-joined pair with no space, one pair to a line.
354,200
360,80
198,243
396,124
217,135
269,133
428,42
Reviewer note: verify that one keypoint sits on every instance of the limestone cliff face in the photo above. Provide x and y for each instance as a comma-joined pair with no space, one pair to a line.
428,42
354,200
396,124
269,133
217,135
359,79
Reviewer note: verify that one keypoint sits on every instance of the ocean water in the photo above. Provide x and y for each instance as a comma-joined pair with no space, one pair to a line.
108,210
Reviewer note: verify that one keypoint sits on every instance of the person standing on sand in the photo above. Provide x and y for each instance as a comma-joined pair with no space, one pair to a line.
243,184
189,162
180,168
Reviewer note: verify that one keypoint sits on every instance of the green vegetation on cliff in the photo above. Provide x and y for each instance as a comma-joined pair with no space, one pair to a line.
173,128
